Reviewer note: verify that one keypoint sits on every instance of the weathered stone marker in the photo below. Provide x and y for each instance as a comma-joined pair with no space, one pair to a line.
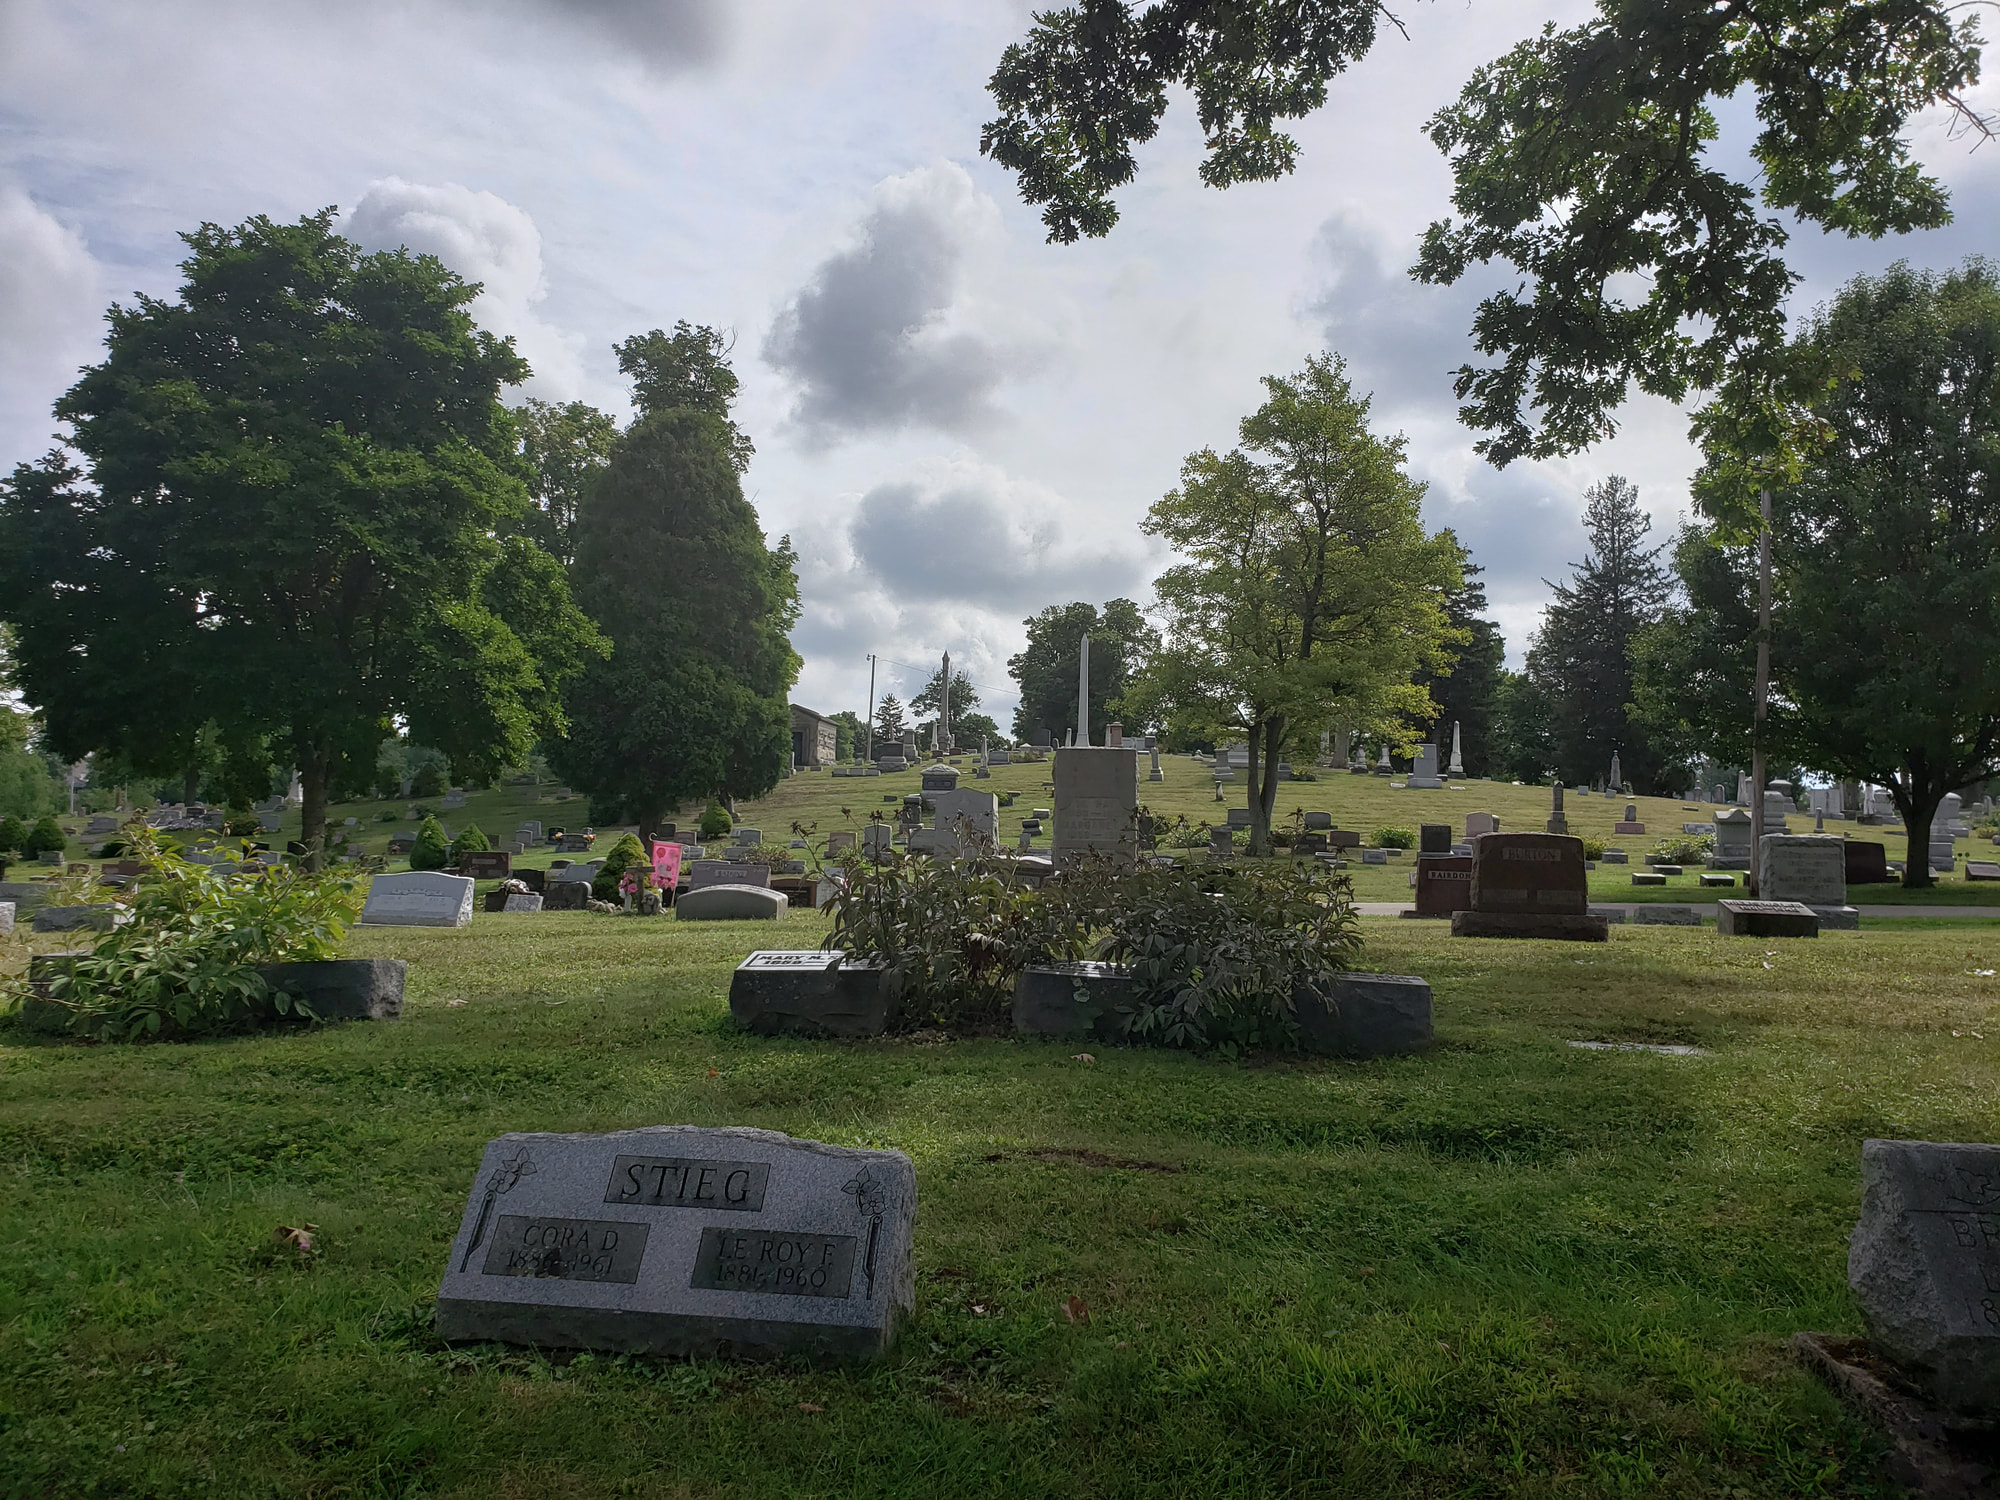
1766,919
812,991
419,899
677,1239
1529,885
1924,1262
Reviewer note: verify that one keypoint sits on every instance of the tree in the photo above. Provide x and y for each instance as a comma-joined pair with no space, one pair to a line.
1523,746
430,850
691,703
889,721
564,448
1466,691
964,699
849,734
1581,658
301,485
1578,157
1121,643
1311,592
1885,646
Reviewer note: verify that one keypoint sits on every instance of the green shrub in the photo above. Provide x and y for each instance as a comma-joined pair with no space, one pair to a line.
428,781
44,838
184,965
387,815
1395,838
388,782
1684,848
472,841
13,835
430,851
1592,848
114,848
626,852
715,822
1186,835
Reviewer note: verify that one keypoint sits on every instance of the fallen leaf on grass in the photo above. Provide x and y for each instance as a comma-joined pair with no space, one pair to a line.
299,1237
1083,1057
453,1004
808,1406
1075,1309
714,1073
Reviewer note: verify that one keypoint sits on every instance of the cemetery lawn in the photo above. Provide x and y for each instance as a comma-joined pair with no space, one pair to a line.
1510,1267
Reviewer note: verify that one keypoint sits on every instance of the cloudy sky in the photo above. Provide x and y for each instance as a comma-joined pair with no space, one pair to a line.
956,423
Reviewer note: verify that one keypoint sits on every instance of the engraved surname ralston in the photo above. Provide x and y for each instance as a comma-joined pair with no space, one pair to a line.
685,1182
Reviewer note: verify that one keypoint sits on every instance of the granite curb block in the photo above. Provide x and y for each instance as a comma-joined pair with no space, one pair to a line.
684,1241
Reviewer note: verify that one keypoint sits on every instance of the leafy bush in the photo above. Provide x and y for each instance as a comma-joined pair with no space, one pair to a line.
715,822
1685,848
388,782
428,781
114,848
626,852
1186,835
44,838
472,841
1592,848
1395,838
430,851
184,965
387,815
13,834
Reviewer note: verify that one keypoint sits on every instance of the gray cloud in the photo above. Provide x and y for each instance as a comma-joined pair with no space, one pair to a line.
866,340
669,36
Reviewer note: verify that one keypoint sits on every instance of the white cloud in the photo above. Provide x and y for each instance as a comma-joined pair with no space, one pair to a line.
51,301
486,239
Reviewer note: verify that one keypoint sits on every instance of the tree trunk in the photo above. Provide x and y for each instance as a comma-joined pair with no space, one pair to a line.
1253,790
1274,736
313,766
190,784
1918,804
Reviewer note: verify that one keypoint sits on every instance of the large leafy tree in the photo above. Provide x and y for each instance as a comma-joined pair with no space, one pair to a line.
1121,643
564,447
1466,692
964,701
1581,658
1311,592
297,522
673,566
1580,158
1885,638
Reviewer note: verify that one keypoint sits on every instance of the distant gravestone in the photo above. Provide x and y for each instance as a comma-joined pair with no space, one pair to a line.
1630,822
732,903
1803,867
839,843
677,1240
939,779
1732,840
877,840
495,864
421,898
522,901
6,918
707,872
1424,772
1924,1263
1319,820
1444,884
1434,838
1478,823
1866,863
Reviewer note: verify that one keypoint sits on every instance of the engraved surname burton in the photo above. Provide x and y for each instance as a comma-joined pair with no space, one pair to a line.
776,1261
688,1182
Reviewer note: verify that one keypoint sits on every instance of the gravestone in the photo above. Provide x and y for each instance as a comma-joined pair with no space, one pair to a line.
1444,884
682,1241
939,779
1343,838
1096,803
566,895
1803,867
1924,1263
877,839
1770,919
1424,772
422,898
1615,857
1434,838
1237,817
1156,774
1529,885
1374,856
6,918
1980,869
1221,841
703,873
1630,822
967,823
575,843
1319,820
494,864
521,901
529,832
98,918
810,993
1732,840
839,843
1478,823
1557,822
732,903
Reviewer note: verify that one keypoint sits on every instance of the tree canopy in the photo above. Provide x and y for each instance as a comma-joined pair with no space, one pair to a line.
300,521
564,448
1311,593
1466,692
1581,159
1121,643
673,567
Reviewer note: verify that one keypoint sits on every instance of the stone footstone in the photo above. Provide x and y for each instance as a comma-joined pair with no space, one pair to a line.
1564,927
1364,1015
1075,1000
1667,916
682,1241
1768,919
1837,918
343,989
1718,882
807,993
1612,914
1644,877
566,895
1615,857
80,918
1924,1263
731,903
519,902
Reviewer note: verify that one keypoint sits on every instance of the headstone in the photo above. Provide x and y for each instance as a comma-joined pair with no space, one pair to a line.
1648,877
731,903
1382,766
486,864
682,1241
95,918
422,898
1808,868
839,843
707,872
1434,838
1456,768
1982,869
1660,915
1924,1263
1444,884
1770,919
1156,774
1732,840
1718,881
1557,822
530,832
1529,885
1424,772
518,901
1374,856
877,839
575,843
1478,823
1320,820
566,895
939,779
1096,803
968,821
342,989
7,909
1221,841
1630,823
809,993
1237,817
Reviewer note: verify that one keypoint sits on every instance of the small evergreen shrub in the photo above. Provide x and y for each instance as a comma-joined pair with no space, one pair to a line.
431,851
46,837
388,782
623,854
715,822
471,841
13,835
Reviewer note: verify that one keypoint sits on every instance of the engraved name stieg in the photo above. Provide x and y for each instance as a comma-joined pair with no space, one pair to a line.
681,1182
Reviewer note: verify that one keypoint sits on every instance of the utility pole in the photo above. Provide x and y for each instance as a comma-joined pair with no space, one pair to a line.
1083,694
1761,701
871,708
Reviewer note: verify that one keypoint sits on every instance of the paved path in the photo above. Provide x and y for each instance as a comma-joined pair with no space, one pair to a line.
1397,908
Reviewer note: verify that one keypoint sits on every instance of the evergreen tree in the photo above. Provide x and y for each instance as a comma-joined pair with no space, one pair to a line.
889,721
1580,661
430,851
691,703
1466,694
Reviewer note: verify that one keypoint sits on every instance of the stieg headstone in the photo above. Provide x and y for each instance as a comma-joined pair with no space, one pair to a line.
418,899
680,1240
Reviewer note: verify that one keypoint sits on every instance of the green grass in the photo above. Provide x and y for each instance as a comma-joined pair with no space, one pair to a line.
1509,1267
